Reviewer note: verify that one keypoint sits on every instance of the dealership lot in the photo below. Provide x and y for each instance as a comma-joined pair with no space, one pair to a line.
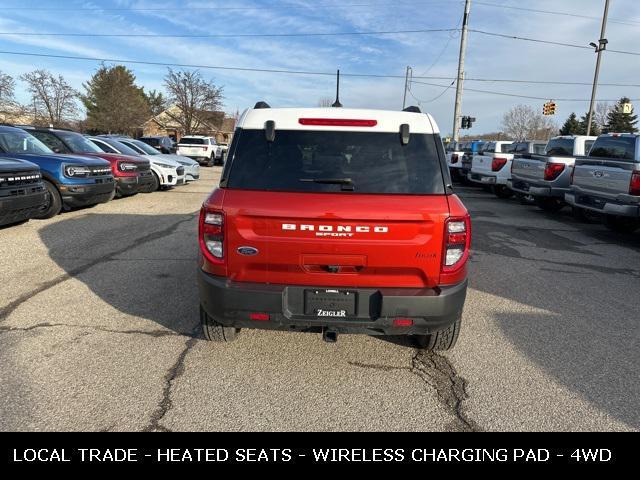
99,330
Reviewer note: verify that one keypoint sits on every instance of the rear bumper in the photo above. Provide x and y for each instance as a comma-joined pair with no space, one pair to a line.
484,179
21,207
81,195
535,190
431,310
624,206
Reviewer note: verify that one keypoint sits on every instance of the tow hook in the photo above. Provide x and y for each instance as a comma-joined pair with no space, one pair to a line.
329,336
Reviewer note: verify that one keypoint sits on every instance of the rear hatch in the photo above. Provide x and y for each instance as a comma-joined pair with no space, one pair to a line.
327,208
607,171
193,147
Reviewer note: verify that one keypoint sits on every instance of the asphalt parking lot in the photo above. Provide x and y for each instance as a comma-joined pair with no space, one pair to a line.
99,330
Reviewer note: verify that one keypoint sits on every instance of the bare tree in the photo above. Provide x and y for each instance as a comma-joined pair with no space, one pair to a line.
7,86
601,114
325,102
54,100
194,96
522,123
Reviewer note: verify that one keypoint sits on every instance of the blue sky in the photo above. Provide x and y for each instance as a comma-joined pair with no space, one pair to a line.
433,54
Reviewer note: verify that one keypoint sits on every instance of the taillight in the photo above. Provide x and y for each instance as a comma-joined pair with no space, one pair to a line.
454,158
204,148
553,170
497,164
457,241
634,186
212,234
573,172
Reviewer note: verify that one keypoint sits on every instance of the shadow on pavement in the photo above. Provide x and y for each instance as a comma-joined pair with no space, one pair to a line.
587,279
142,265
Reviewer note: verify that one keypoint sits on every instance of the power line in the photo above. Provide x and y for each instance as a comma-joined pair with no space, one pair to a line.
522,96
549,42
550,12
222,35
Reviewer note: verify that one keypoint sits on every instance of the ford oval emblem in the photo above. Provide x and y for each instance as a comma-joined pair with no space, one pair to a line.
248,251
598,174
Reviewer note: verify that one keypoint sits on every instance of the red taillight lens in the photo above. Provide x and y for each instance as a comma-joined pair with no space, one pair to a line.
204,148
454,158
634,186
553,170
259,317
497,164
212,234
457,241
337,122
402,322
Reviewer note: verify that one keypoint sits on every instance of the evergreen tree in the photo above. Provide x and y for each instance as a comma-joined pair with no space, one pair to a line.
595,130
157,102
571,126
621,122
114,103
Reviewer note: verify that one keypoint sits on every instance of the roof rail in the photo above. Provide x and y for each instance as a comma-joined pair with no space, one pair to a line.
412,109
261,105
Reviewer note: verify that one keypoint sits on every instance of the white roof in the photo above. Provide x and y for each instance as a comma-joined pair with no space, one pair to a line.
289,119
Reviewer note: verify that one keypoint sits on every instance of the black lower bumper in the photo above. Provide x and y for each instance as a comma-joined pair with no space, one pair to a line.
87,194
18,208
431,310
527,188
604,205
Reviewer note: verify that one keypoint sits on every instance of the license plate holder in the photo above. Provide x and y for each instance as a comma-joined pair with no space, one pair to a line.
330,303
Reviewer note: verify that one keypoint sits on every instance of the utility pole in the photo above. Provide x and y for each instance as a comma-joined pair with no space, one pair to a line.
460,81
406,87
602,45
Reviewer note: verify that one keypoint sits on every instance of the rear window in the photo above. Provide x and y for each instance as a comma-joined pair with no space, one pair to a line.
151,141
539,148
560,147
193,141
622,148
360,162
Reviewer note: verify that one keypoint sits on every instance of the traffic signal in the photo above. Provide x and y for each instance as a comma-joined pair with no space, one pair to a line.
549,108
467,122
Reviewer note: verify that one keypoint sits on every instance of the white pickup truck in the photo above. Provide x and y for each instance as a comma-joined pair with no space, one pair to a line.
547,177
488,167
204,150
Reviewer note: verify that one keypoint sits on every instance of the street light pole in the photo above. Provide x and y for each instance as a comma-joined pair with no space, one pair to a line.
460,78
602,45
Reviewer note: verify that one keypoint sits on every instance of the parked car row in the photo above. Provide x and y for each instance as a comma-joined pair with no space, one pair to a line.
595,176
46,170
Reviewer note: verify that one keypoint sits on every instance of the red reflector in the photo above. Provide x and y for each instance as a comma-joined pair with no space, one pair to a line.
402,322
553,170
259,317
457,239
634,187
497,164
337,122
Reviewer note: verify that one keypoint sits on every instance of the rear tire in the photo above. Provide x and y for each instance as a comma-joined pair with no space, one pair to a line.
216,332
503,192
621,224
54,203
551,205
442,340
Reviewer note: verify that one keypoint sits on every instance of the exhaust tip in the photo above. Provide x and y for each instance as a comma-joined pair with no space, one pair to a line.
329,336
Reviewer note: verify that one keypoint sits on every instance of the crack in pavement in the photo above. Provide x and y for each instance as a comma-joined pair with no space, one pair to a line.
6,311
175,372
438,373
151,333
383,368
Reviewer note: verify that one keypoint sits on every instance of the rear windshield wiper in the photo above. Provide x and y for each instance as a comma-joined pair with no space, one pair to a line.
346,183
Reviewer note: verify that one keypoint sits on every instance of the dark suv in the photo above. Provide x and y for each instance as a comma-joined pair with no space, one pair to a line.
162,144
22,193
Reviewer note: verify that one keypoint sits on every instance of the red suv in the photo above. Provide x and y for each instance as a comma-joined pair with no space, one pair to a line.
335,220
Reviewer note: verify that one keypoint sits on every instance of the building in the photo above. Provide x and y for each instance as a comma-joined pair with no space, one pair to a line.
212,124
